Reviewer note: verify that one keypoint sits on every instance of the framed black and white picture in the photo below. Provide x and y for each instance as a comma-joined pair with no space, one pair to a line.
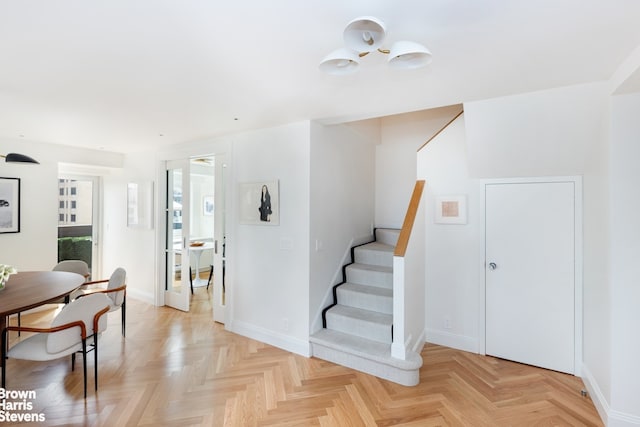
259,203
9,205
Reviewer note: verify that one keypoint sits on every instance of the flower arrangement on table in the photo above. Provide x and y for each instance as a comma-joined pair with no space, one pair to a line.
5,272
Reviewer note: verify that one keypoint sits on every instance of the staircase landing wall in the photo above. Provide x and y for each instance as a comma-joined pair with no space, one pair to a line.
341,204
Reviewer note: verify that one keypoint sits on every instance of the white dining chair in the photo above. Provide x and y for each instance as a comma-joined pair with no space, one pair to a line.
68,334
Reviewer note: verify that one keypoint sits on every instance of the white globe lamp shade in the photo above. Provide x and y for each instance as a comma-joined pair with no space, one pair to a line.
408,55
340,62
364,34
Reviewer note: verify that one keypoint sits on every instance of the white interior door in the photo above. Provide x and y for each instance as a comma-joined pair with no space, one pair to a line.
219,253
178,202
530,273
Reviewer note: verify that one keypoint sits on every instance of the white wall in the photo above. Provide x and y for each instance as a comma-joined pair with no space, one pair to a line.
557,132
342,204
625,250
269,265
453,252
35,246
133,249
400,138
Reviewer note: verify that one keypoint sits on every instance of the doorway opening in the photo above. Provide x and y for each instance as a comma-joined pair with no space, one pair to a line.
195,236
77,220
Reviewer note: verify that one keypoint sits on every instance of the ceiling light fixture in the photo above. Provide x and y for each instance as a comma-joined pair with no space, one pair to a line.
365,35
18,158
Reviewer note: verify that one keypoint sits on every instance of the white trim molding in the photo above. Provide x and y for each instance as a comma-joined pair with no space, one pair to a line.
611,417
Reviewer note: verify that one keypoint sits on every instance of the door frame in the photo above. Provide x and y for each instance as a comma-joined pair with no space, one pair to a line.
578,261
96,214
219,149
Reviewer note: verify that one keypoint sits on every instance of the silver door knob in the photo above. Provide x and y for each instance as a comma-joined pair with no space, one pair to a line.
492,266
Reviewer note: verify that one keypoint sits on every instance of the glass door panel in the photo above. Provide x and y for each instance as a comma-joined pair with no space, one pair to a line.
177,288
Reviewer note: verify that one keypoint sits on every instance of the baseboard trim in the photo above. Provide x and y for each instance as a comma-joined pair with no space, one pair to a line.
147,297
266,336
610,417
419,344
447,339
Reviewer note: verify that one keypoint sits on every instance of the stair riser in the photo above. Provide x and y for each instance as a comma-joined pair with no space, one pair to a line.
362,328
382,304
373,257
390,237
406,377
369,277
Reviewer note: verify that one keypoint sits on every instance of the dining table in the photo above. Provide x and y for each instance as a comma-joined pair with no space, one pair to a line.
196,249
30,289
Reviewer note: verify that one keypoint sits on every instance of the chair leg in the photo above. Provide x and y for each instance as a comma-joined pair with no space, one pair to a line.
95,360
84,365
123,308
210,276
19,323
73,361
191,279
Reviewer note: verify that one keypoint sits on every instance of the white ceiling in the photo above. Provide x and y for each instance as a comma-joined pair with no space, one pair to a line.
118,73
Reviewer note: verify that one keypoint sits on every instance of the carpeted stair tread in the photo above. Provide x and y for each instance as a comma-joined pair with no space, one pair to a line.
377,246
388,236
366,289
370,267
374,253
360,314
362,347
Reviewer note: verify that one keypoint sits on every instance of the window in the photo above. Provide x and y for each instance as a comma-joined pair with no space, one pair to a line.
75,219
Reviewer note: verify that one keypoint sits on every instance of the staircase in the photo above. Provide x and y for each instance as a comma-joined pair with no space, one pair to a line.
358,327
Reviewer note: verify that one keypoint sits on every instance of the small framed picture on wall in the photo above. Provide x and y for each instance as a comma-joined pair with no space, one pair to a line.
259,203
9,205
451,209
207,205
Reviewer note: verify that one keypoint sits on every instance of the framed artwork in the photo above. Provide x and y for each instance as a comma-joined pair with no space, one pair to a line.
451,209
259,203
140,205
9,205
207,205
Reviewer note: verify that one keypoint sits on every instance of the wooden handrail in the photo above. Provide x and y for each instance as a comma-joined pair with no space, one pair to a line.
443,128
409,219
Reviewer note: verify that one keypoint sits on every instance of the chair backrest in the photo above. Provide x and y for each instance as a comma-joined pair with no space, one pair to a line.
83,309
118,278
74,266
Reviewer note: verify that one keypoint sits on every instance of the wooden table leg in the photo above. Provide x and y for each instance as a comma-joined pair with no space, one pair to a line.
4,324
4,345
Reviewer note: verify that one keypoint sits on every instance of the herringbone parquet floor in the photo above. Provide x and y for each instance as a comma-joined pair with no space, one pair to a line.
181,369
